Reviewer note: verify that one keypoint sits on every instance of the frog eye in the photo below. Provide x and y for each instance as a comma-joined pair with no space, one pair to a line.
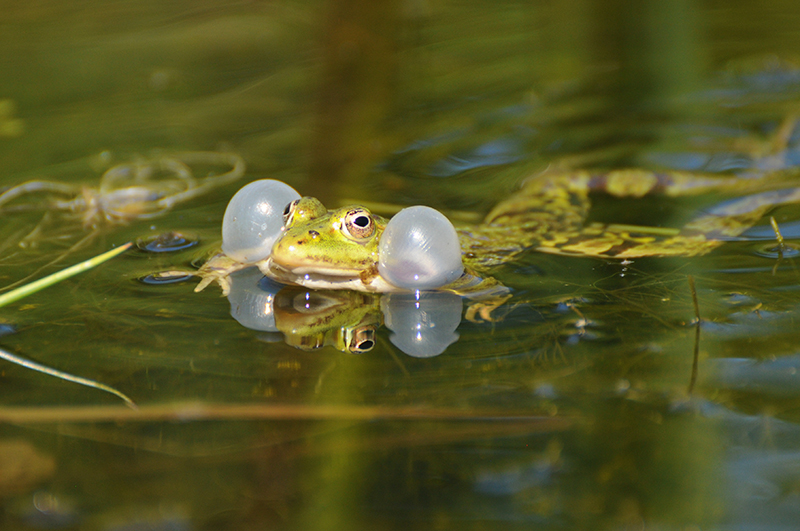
288,212
359,224
302,210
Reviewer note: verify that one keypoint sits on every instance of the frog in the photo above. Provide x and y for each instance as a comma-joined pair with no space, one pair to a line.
334,249
328,249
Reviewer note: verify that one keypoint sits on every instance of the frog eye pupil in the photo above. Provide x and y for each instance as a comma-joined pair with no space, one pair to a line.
288,208
361,221
366,345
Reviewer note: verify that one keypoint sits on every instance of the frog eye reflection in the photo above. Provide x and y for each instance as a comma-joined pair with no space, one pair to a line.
358,224
362,339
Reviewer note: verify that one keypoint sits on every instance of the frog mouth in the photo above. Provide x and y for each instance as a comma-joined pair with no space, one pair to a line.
304,269
321,278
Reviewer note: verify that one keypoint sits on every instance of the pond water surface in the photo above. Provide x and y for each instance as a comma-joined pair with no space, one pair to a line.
593,400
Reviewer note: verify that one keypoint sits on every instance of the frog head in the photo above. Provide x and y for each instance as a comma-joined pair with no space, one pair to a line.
321,249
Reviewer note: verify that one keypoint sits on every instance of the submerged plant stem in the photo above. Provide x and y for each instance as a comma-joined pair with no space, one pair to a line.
42,283
28,364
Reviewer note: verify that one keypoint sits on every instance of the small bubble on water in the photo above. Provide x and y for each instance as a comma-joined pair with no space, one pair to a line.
165,277
775,251
167,242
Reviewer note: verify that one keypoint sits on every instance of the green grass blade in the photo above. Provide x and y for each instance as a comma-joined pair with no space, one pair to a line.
42,283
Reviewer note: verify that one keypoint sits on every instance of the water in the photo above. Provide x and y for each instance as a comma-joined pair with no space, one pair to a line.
581,407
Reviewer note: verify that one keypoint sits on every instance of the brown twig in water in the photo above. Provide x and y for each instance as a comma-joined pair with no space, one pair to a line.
778,235
781,244
204,411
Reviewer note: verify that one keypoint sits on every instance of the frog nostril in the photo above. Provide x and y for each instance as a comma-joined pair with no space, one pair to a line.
313,233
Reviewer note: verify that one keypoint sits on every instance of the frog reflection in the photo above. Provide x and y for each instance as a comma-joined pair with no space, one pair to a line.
422,324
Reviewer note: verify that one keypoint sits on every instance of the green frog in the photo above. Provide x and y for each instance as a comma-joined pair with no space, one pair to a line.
340,249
